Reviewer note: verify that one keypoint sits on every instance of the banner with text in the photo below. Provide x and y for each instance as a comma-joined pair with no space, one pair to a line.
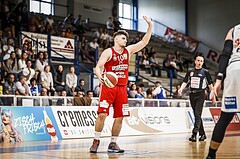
63,46
28,123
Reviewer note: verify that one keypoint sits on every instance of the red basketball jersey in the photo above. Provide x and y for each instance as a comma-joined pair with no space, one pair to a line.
118,63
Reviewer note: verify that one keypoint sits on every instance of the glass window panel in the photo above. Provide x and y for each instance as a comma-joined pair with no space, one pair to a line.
34,6
127,11
120,10
45,8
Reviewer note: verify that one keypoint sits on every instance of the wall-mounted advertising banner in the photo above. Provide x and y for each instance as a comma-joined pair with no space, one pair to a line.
180,40
61,45
28,123
79,122
234,124
209,53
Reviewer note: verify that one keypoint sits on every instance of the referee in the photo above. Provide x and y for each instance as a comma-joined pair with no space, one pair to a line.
198,78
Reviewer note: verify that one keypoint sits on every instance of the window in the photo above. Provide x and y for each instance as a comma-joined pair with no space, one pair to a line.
125,15
42,6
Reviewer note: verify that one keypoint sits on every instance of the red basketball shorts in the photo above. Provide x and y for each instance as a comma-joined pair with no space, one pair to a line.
117,97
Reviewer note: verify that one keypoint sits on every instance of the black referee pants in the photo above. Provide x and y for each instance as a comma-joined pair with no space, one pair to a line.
197,100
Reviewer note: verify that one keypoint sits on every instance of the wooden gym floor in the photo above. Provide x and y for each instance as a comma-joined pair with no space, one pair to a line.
161,146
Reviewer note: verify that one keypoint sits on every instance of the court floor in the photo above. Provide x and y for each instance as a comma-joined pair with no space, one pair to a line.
160,146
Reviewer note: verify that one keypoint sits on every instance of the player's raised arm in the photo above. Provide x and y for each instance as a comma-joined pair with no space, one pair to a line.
141,44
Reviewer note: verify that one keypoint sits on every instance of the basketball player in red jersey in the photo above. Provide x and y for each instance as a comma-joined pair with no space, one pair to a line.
116,59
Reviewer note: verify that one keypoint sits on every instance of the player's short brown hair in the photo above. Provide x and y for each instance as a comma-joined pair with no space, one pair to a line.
121,32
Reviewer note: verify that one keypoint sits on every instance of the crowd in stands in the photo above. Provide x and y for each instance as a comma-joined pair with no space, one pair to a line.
26,72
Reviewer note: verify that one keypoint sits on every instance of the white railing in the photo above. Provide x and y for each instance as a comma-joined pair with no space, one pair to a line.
12,100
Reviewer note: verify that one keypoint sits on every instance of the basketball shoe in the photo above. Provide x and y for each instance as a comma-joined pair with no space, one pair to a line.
193,138
94,147
202,137
209,157
114,148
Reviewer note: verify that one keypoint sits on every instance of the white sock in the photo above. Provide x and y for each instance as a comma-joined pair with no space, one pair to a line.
97,135
114,139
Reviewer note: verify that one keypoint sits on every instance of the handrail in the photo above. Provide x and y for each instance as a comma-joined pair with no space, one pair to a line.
133,102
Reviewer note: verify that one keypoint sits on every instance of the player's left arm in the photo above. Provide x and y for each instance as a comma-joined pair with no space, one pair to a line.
141,44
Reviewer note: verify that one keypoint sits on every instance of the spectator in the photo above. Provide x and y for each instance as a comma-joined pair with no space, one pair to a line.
159,93
40,64
179,60
71,81
141,85
139,93
80,86
22,63
59,79
49,20
176,94
12,64
117,24
34,90
9,88
28,71
45,100
79,94
169,67
46,80
133,91
93,46
155,65
98,33
60,101
22,87
69,33
96,90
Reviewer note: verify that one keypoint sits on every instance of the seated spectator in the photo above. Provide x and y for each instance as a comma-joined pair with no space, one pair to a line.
105,39
96,90
132,91
39,65
80,100
141,85
77,23
155,66
169,67
9,88
45,100
176,94
71,81
46,80
86,24
79,94
69,33
109,24
139,93
149,92
80,86
117,24
93,46
34,90
22,87
22,62
159,93
98,33
59,79
94,101
179,60
28,71
60,101
11,64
